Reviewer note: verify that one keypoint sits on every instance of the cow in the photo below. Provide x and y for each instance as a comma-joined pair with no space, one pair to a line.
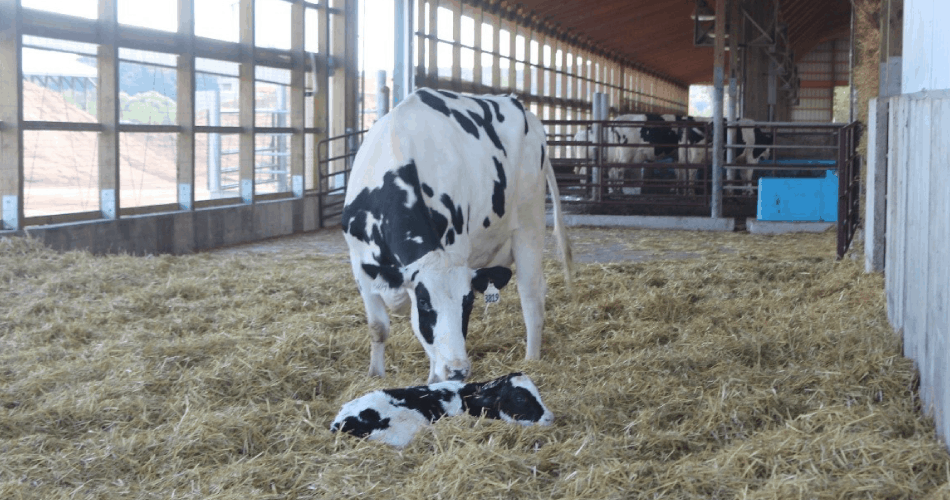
649,143
394,416
445,193
757,147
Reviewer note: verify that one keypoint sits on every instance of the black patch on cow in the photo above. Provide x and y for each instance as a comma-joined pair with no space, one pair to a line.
467,125
421,398
523,112
427,189
498,195
448,94
490,399
390,274
456,211
363,425
450,237
667,136
543,152
427,315
439,222
469,218
468,302
486,124
405,233
761,139
486,222
501,117
434,102
413,278
498,276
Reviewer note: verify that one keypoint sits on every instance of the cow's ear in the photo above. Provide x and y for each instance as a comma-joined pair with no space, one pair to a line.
497,275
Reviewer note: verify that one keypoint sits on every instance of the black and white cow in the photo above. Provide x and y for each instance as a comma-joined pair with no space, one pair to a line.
757,146
651,143
394,416
446,192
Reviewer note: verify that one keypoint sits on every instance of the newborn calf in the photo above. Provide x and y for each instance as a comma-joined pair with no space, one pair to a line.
394,416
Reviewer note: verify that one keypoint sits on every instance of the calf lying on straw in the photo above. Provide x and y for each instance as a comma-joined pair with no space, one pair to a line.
394,416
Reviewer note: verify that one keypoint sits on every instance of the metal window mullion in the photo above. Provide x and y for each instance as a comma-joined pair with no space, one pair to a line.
11,116
108,110
297,98
185,107
246,89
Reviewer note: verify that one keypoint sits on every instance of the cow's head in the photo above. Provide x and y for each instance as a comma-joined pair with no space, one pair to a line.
763,140
442,300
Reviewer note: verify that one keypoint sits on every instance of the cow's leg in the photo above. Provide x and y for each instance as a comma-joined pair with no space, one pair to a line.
378,321
527,247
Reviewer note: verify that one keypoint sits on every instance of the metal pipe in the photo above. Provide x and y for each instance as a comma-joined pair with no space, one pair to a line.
719,49
382,94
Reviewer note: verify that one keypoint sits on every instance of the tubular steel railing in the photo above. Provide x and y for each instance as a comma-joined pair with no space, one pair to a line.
608,167
334,172
583,164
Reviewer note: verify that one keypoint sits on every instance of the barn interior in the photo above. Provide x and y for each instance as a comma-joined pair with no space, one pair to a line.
215,129
181,320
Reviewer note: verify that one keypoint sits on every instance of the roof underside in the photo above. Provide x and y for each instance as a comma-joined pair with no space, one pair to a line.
659,34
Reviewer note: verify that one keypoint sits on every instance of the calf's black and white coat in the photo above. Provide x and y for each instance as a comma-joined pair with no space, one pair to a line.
394,416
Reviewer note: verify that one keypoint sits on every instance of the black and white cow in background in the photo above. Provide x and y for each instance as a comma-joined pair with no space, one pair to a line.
394,416
654,142
445,193
757,147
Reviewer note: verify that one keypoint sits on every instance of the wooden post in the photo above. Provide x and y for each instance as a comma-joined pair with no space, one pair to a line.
526,72
512,54
719,49
108,109
433,69
891,24
423,39
185,111
11,114
321,97
297,98
456,45
246,89
477,41
496,56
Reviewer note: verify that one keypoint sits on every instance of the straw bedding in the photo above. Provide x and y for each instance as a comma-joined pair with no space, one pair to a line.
715,366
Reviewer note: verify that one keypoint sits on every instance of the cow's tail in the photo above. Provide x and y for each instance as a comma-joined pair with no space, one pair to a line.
560,232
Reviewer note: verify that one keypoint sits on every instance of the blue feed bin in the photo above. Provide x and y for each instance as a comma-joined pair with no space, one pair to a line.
799,200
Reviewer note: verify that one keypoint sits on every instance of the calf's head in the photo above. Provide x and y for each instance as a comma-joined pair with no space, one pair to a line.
513,398
442,300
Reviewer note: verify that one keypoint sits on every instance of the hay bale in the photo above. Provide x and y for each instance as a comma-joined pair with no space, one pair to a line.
711,366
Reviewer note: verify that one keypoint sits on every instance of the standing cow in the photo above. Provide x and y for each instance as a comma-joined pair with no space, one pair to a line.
446,192
757,146
629,143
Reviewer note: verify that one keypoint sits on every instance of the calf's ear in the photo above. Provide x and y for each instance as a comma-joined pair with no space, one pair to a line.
498,275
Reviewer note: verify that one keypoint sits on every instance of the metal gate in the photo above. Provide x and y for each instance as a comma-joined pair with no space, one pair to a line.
849,185
334,161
